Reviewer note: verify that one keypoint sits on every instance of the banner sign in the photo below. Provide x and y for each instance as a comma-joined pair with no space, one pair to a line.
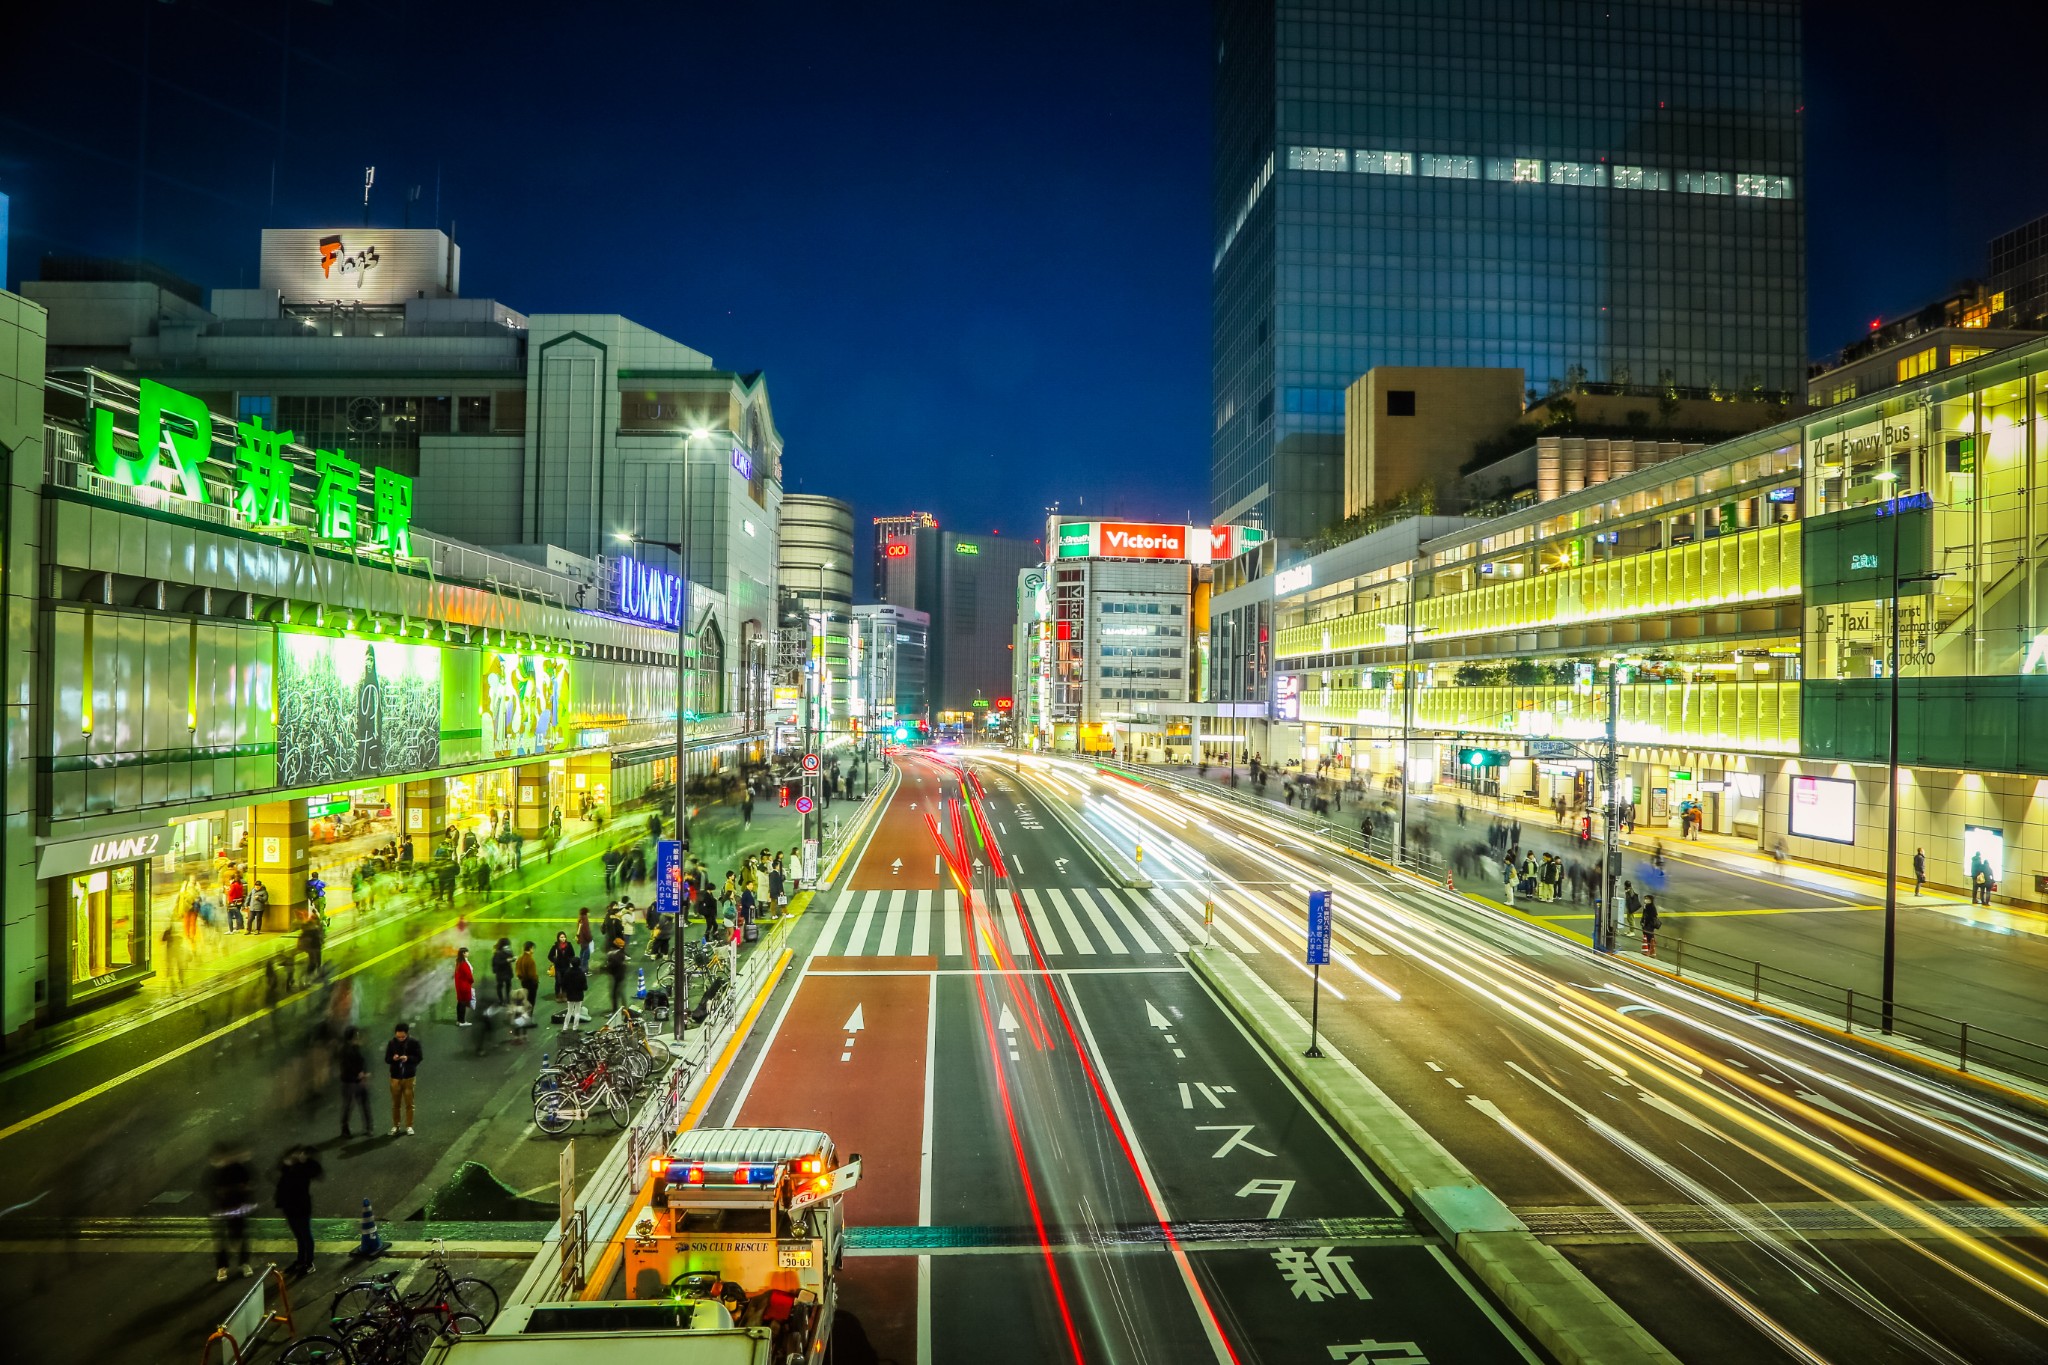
350,708
668,877
1153,540
1319,908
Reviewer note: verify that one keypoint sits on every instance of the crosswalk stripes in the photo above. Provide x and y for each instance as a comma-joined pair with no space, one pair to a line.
921,925
1072,926
1075,932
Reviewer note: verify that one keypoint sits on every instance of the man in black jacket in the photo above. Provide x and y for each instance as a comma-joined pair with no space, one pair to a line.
294,1198
355,1080
403,1055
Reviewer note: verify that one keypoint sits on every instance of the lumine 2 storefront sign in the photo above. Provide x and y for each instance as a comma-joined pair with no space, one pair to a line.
173,442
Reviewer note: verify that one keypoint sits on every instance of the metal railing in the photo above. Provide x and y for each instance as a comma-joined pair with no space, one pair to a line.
1860,1012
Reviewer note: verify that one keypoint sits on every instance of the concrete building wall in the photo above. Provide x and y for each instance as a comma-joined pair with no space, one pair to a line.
24,927
1407,425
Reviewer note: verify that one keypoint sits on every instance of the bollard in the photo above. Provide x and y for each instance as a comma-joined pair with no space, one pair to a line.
547,1074
372,1244
641,993
1449,885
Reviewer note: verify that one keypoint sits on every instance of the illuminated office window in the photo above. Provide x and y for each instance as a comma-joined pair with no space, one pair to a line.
1705,182
1641,178
1917,364
1384,163
1520,170
1763,186
1577,173
1316,159
1450,167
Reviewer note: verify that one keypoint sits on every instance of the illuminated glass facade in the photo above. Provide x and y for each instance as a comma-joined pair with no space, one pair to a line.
1750,588
1553,186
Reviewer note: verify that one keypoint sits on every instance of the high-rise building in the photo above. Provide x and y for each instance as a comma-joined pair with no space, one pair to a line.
894,528
1606,192
816,569
891,683
967,584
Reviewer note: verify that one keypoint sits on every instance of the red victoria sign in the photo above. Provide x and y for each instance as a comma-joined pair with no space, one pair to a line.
1143,540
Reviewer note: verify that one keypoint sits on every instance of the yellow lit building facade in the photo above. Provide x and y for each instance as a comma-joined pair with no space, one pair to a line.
1749,586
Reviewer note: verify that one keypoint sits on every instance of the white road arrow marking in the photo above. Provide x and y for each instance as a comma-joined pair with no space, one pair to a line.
1008,1022
1155,1018
855,1022
895,867
1063,864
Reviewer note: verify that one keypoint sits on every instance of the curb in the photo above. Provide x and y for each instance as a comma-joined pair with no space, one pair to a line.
1542,1291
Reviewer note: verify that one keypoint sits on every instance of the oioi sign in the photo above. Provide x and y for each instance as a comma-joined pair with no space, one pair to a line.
173,443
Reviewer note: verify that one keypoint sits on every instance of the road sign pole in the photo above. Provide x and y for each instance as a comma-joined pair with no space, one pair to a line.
1315,1011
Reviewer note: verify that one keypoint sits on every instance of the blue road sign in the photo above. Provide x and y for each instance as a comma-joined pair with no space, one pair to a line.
1319,907
668,877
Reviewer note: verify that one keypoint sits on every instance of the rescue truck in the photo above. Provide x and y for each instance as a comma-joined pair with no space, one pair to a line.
735,1261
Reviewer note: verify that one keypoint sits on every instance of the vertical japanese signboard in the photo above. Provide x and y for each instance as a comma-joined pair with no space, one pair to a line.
1319,909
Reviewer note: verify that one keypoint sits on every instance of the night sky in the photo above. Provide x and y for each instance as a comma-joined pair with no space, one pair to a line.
969,243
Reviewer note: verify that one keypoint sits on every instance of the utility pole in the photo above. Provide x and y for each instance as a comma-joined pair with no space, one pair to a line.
1610,850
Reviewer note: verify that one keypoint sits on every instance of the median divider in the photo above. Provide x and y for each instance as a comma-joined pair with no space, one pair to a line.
1541,1290
1120,866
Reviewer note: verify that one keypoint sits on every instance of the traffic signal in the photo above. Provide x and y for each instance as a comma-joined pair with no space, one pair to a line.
1482,758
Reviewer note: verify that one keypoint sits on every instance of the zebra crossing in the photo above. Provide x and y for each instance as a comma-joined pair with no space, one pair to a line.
1073,926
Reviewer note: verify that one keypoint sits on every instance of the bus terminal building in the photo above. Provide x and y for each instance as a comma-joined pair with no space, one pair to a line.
1749,591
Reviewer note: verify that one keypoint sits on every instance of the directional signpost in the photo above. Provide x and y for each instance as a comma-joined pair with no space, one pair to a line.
1319,908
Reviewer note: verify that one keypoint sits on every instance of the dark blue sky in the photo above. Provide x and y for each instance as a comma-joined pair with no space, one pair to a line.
969,243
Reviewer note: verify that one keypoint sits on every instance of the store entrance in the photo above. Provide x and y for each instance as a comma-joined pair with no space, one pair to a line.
109,914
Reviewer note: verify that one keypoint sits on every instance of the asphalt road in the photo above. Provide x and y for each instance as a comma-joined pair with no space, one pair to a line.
1070,1150
1742,1187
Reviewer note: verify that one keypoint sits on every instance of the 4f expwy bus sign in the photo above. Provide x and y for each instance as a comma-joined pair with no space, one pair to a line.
1152,540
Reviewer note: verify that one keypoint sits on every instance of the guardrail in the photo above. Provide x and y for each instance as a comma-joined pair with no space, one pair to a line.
1861,1012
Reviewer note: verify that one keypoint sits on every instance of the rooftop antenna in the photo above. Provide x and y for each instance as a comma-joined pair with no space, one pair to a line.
369,179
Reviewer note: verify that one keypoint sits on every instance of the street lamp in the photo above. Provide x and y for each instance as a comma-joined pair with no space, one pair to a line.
1413,632
1891,771
681,550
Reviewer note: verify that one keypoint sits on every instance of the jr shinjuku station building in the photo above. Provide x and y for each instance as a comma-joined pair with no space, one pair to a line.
1747,591
221,643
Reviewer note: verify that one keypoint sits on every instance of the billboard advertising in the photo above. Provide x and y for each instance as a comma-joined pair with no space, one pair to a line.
1824,808
523,702
349,708
1152,540
359,264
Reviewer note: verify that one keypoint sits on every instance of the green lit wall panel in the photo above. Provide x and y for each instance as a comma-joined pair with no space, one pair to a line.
1983,724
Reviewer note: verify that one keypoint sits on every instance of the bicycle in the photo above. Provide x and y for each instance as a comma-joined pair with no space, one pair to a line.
446,1293
555,1111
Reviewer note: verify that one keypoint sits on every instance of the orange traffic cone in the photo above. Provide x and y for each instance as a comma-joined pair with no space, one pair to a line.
1449,885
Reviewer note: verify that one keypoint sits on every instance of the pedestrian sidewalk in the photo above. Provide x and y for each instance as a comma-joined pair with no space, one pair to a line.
227,961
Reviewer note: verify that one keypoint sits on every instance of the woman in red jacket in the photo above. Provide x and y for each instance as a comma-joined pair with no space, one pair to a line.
465,987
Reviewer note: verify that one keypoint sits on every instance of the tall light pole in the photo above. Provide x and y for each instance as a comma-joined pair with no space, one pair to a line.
1891,787
680,1008
1407,718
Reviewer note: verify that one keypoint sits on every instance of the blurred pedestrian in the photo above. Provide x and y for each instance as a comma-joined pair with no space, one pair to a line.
575,983
1919,870
501,969
403,1055
230,1186
560,958
311,939
584,935
465,987
294,1199
1652,921
528,971
354,1069
615,968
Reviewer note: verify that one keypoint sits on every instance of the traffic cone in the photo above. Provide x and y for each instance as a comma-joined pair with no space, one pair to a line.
372,1244
547,1075
641,993
1449,885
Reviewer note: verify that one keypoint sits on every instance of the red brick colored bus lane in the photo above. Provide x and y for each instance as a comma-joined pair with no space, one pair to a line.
849,1058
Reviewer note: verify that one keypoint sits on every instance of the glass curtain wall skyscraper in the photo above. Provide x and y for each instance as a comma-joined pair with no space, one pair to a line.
1586,191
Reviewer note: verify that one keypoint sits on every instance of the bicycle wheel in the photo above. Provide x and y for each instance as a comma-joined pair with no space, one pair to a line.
551,1115
356,1300
463,1325
476,1297
315,1351
421,1335
616,1107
